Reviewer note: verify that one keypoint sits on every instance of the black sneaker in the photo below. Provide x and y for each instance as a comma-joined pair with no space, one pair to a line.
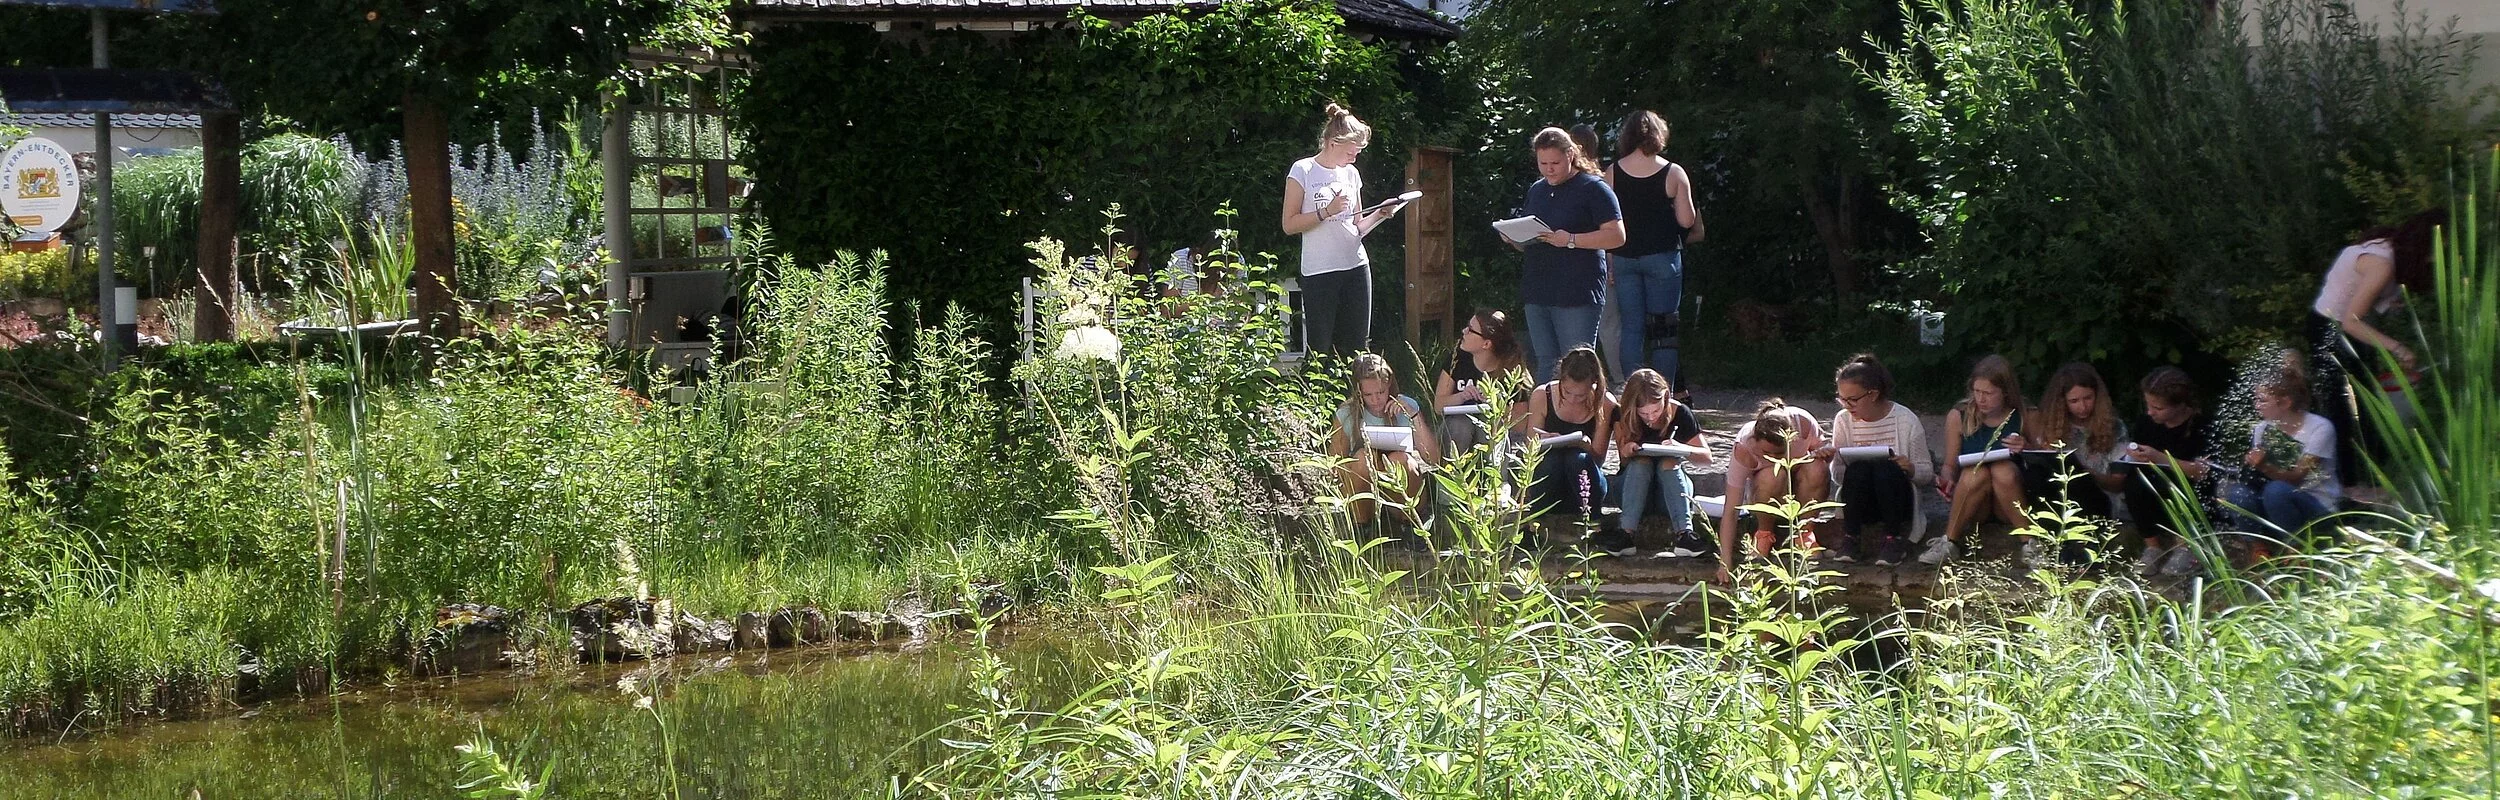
1690,545
1614,542
1842,549
1891,550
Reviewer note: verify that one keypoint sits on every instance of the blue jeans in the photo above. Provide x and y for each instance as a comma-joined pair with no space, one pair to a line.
2283,505
1553,330
1641,476
1647,287
1557,484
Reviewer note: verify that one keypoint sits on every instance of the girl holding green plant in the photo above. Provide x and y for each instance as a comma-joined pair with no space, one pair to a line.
1373,463
2292,455
1990,418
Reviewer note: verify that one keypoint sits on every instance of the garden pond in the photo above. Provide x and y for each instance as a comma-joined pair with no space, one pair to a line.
815,722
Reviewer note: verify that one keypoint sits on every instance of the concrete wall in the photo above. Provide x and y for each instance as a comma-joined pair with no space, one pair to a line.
2478,21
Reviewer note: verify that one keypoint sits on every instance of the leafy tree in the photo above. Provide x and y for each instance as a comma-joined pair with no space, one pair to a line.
2151,183
953,149
1780,136
348,65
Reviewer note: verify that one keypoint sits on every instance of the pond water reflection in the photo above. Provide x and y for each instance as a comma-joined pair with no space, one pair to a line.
826,722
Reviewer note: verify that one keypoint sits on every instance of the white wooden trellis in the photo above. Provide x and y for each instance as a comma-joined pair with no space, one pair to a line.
675,98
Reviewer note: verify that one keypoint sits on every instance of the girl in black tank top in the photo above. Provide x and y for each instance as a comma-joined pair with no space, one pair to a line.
1554,424
1649,222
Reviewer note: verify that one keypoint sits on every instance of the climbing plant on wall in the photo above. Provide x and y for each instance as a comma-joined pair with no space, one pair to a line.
952,150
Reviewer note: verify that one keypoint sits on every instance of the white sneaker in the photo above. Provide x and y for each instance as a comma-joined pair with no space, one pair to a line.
2149,564
1940,549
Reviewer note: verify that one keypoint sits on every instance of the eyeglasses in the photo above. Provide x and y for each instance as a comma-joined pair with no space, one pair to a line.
1472,329
1847,400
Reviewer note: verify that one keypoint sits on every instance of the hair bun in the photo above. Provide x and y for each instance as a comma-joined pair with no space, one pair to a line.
1334,111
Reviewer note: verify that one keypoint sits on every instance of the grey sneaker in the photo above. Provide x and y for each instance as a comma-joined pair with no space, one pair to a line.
1940,549
2182,562
2149,564
2037,552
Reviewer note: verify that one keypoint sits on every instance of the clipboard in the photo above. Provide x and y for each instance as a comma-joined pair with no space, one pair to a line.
1399,200
1522,230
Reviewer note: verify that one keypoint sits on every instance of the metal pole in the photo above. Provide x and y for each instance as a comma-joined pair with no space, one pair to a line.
104,316
616,153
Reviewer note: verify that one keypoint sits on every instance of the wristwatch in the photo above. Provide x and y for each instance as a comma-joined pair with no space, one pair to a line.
1571,240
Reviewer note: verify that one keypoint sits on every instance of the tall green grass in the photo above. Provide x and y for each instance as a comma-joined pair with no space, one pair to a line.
2355,673
325,520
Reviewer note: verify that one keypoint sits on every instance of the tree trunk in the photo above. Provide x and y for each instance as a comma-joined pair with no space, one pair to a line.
1835,224
221,209
426,129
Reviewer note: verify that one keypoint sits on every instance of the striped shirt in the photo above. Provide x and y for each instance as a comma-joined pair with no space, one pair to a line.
1899,428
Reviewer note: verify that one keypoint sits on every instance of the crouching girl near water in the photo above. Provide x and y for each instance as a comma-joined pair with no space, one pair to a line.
1755,474
1395,474
1649,416
1878,496
1567,477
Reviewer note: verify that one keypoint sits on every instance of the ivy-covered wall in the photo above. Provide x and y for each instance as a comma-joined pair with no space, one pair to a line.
952,150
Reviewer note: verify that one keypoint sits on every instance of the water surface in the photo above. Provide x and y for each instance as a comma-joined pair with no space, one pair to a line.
826,722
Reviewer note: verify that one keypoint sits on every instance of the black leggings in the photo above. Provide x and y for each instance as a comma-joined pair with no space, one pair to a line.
2333,361
2146,489
1337,311
2041,484
1876,490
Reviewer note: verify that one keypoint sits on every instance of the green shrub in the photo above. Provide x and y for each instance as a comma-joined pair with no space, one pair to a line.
1024,137
39,273
2052,142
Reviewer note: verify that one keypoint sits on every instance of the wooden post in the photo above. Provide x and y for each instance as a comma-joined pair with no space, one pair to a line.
221,209
426,127
1431,280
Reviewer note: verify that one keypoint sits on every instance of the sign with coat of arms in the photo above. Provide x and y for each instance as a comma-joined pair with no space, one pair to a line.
38,185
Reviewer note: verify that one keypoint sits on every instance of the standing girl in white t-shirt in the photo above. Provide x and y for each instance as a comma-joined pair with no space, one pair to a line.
1322,196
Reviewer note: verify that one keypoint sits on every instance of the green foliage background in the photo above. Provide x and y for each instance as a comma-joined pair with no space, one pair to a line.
953,150
2150,184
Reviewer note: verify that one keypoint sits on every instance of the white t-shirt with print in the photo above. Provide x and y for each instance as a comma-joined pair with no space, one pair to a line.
2317,440
1335,245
